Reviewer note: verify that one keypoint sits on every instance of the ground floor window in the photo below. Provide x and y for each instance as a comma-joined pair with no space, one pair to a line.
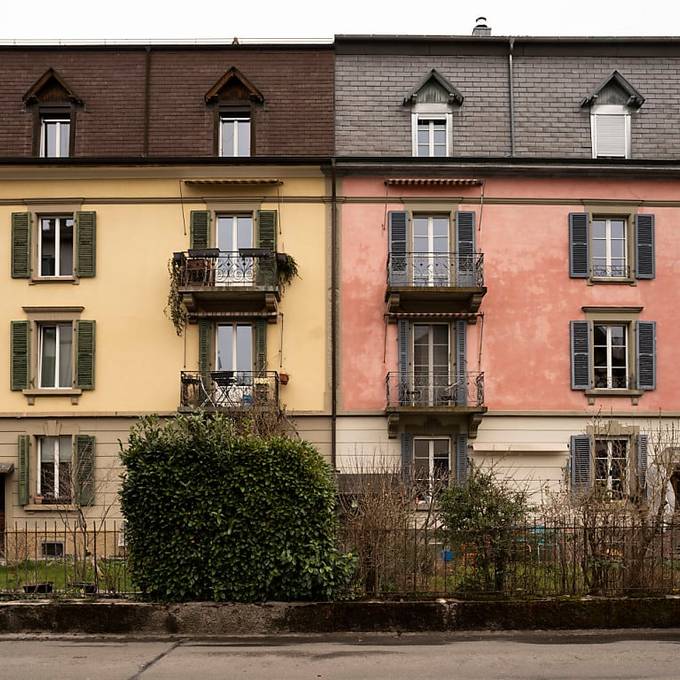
611,466
432,464
55,455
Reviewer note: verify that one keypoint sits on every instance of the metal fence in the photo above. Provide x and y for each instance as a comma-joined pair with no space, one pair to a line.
62,558
534,560
214,268
227,390
436,270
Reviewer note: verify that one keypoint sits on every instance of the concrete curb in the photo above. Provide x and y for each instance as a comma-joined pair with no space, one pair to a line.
122,617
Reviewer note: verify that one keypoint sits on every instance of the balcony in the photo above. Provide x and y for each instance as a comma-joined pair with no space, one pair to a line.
435,282
229,390
415,400
216,280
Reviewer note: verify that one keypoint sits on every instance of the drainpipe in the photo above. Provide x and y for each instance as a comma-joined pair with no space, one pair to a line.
334,319
511,97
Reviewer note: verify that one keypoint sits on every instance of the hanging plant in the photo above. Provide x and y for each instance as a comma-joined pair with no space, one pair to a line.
175,309
286,270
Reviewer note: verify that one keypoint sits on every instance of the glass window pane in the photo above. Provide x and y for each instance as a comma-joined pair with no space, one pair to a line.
244,228
600,356
420,355
420,333
65,355
440,227
619,378
50,139
599,248
599,228
439,150
423,150
65,448
618,229
421,448
618,248
244,348
225,234
66,247
47,246
243,137
618,335
225,339
441,335
227,137
441,448
619,356
48,355
423,134
599,334
64,139
47,446
600,377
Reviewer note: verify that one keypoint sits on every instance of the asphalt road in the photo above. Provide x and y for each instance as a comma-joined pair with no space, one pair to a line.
634,655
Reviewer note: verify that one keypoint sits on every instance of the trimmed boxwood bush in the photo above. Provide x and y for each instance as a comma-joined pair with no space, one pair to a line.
215,514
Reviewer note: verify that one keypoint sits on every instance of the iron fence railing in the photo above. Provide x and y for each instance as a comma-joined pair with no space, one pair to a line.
63,558
229,389
436,270
532,560
214,268
429,389
615,271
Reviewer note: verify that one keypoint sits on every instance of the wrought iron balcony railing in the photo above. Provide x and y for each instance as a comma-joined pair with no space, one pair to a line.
436,270
216,390
613,271
432,390
214,268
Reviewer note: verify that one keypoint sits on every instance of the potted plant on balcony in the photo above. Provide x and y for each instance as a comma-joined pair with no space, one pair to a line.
175,309
286,269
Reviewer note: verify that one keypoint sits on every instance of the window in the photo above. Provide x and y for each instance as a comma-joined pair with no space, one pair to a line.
432,464
55,246
234,134
234,232
52,549
55,135
431,260
610,130
610,356
56,355
609,241
432,136
55,456
432,364
611,466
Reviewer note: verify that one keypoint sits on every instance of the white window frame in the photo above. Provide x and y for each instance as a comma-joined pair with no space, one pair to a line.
225,274
57,450
432,395
430,463
608,246
57,354
609,110
627,333
431,112
59,121
234,119
57,246
234,344
607,483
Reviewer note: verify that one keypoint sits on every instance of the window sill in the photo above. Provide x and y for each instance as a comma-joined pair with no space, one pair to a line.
611,281
57,392
54,279
633,395
50,507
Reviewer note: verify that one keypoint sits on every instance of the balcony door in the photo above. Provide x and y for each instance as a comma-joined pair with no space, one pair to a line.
431,261
432,384
233,233
233,375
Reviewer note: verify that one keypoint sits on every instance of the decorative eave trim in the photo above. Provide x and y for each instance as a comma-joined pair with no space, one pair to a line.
432,181
455,97
213,94
31,96
237,182
635,99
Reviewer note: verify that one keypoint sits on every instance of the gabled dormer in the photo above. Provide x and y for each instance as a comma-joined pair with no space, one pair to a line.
53,104
234,98
432,103
611,104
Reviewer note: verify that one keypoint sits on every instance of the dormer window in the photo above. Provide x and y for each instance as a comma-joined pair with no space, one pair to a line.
55,135
234,134
432,103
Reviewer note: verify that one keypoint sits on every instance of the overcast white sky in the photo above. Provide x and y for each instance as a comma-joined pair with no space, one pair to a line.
142,20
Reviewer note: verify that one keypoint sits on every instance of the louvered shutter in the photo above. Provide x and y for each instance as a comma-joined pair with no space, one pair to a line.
266,229
199,229
645,343
407,455
461,458
24,457
404,347
398,261
21,245
461,363
83,474
260,328
642,446
645,267
205,329
20,341
465,249
610,135
581,463
579,257
86,244
580,355
85,354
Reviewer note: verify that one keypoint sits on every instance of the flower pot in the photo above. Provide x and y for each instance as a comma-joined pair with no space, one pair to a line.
38,587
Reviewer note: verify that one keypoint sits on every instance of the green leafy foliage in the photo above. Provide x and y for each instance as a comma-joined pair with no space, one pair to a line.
216,514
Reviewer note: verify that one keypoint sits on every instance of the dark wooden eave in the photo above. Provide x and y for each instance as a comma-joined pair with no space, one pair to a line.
233,74
32,96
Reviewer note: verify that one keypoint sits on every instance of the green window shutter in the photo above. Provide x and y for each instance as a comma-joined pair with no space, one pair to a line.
260,345
86,244
580,355
20,341
461,457
85,355
205,330
581,463
645,346
642,446
579,250
21,245
199,229
407,455
461,363
266,229
644,247
465,249
83,477
398,264
24,456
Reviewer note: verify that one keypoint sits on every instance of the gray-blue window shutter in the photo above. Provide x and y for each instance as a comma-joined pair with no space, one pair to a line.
404,341
642,455
645,267
580,355
579,250
461,363
461,457
398,261
581,462
645,346
465,249
406,454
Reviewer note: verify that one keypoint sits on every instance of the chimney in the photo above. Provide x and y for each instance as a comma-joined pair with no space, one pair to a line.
481,29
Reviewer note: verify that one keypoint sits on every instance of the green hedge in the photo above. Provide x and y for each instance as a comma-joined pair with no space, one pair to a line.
217,515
